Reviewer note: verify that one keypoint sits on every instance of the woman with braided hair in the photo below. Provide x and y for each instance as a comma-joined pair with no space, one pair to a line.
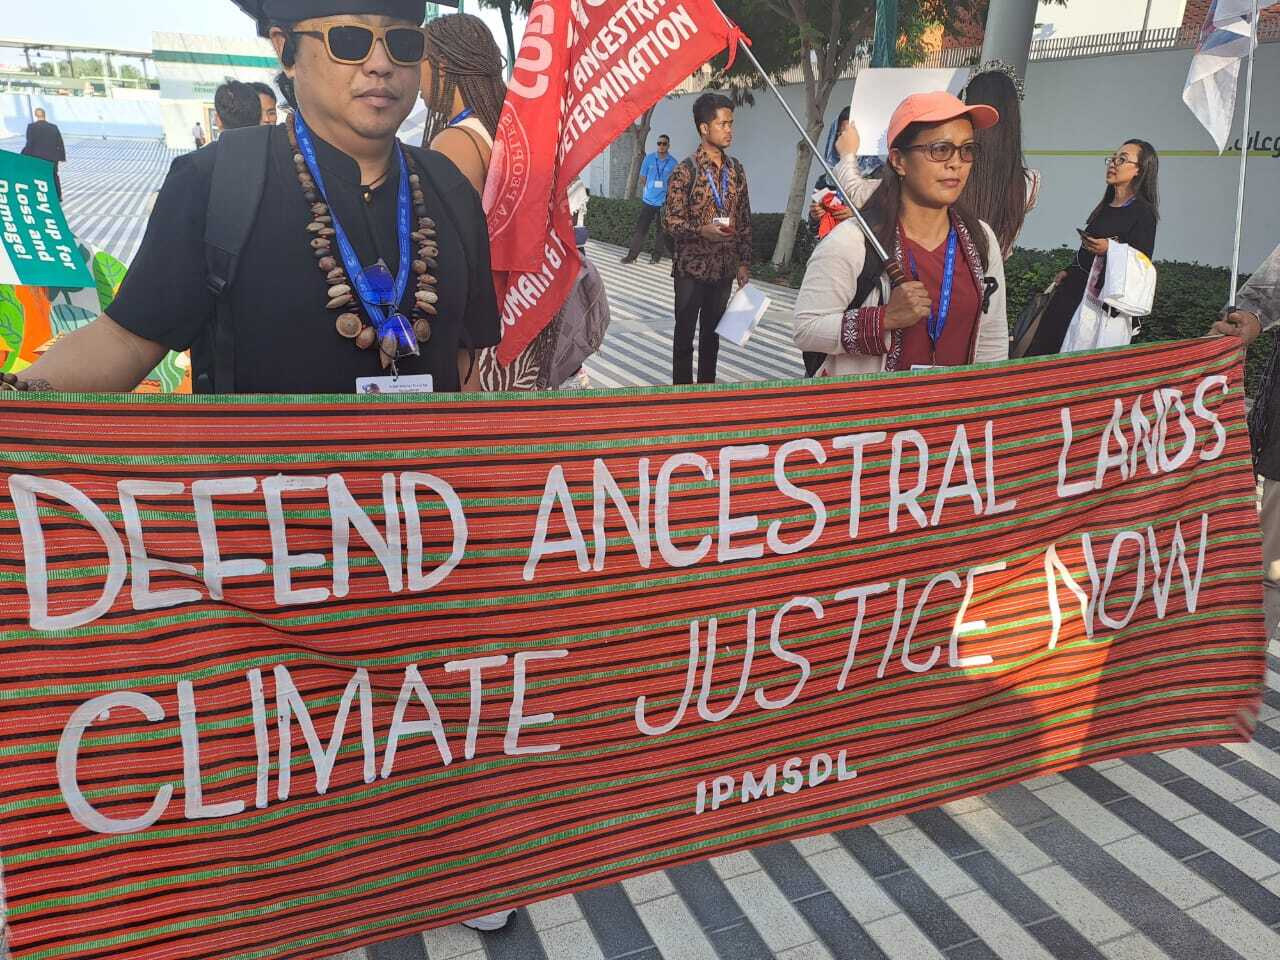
463,90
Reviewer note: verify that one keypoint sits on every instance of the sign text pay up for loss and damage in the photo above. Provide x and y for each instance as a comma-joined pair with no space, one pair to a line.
1158,434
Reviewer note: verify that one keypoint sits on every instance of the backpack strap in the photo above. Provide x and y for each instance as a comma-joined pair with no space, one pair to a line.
239,177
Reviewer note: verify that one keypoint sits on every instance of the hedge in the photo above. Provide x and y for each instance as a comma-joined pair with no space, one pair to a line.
1188,295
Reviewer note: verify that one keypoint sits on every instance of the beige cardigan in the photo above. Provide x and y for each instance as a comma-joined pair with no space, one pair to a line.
830,282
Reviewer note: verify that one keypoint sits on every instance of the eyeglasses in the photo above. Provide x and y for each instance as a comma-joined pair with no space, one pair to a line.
1119,160
353,43
940,151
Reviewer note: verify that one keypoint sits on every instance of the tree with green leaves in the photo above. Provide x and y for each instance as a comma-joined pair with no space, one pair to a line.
507,9
821,38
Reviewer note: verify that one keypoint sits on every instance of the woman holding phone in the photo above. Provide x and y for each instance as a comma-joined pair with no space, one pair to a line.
1128,214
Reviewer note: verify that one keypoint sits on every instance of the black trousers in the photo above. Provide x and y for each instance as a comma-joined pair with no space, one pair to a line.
647,215
699,306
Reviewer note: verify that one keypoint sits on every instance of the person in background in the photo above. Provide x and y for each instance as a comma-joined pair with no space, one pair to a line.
236,105
463,90
1128,213
708,216
952,310
198,135
44,141
270,105
1002,189
825,216
1257,311
655,173
356,70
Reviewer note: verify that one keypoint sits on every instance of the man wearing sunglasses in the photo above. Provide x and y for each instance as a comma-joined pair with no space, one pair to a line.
329,291
655,174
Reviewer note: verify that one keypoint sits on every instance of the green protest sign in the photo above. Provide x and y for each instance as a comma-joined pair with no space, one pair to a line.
36,245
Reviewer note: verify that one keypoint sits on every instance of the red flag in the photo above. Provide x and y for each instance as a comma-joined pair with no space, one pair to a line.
586,70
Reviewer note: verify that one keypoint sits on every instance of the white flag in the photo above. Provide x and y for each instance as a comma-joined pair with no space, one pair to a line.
1226,39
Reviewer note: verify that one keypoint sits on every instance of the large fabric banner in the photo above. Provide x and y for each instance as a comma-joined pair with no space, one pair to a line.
586,70
281,677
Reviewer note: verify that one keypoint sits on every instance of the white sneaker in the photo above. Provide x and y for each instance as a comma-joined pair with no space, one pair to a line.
491,922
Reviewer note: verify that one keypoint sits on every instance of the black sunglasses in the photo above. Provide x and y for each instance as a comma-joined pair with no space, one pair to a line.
353,43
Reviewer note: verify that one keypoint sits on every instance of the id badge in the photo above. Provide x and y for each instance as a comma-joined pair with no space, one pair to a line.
374,386
658,184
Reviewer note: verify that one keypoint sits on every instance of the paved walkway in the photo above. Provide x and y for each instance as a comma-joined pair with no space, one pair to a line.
1168,856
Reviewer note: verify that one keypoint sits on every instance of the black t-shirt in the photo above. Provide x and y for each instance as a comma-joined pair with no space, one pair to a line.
1133,225
285,338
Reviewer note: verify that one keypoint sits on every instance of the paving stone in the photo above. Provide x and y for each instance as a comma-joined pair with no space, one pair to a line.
973,950
834,924
1236,928
1039,783
900,939
707,896
1253,896
1167,836
1236,851
809,951
1089,817
448,943
614,921
852,885
1063,940
1008,844
552,913
674,930
516,941
964,805
652,886
943,830
1167,876
1202,772
777,921
1075,904
403,948
1095,784
571,941
1257,778
1006,889
892,825
1148,792
876,856
789,871
996,927
927,910
929,861
1020,806
1133,947
811,845
1261,757
739,942
734,864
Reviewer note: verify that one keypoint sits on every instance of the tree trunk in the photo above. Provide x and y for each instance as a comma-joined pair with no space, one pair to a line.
640,131
796,200
505,10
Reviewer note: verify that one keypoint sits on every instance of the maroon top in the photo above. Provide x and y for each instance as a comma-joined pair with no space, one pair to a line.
955,348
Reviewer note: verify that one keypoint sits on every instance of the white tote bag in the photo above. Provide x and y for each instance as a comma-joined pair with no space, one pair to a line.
1129,285
1097,325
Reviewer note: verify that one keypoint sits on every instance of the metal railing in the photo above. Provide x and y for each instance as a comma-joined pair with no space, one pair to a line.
1049,48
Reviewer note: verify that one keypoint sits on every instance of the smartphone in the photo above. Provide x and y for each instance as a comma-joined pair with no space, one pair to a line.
1083,235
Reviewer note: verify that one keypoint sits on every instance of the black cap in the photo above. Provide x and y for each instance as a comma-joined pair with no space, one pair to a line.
265,12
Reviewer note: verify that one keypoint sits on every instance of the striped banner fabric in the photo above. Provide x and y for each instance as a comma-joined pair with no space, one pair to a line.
285,676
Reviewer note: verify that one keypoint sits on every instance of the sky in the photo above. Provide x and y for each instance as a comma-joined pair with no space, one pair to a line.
129,23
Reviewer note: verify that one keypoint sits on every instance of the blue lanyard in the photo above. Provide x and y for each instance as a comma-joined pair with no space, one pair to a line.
356,272
462,116
938,318
664,169
719,193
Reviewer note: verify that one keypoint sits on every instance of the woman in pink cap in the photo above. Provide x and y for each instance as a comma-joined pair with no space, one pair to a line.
951,310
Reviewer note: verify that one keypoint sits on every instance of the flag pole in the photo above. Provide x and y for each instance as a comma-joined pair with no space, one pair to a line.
892,268
1244,156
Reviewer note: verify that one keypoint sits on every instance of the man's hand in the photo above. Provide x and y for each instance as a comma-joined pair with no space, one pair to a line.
847,143
1240,324
1097,246
744,276
816,210
714,233
841,214
908,305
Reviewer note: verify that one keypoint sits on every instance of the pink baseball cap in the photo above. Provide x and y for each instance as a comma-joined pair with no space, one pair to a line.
939,107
